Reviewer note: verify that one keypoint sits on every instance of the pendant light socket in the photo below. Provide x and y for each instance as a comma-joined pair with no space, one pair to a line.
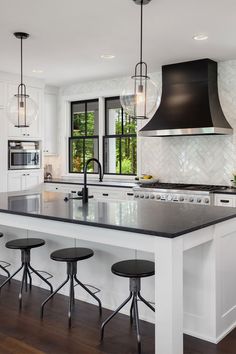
140,2
21,35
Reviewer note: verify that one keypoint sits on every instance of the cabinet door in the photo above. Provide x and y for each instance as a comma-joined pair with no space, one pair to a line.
34,130
2,94
16,181
33,179
50,124
12,130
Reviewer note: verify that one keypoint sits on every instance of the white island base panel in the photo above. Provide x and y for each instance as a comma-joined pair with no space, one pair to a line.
195,286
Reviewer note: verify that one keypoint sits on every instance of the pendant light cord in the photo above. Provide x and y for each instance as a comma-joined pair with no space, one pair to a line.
141,33
21,58
141,39
21,64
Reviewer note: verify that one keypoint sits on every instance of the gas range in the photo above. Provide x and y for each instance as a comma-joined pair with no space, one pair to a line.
177,192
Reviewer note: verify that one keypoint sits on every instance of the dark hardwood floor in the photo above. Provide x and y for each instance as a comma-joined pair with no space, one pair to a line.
24,333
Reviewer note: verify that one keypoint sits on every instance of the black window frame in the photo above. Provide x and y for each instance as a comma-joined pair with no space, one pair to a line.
82,137
120,136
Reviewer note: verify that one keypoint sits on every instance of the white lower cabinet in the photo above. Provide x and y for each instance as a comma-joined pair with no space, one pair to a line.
225,200
63,188
109,193
22,180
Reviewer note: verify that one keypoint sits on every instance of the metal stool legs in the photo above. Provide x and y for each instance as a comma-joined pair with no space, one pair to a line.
135,286
26,277
72,278
5,270
90,293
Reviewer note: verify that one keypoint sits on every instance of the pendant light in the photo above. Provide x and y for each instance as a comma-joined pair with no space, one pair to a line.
22,110
140,97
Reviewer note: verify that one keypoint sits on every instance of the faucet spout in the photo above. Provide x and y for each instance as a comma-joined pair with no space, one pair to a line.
85,188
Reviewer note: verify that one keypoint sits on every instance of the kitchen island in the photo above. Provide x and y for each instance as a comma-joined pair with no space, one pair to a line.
193,248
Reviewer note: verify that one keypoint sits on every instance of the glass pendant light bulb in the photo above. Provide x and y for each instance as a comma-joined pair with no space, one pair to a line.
18,109
140,97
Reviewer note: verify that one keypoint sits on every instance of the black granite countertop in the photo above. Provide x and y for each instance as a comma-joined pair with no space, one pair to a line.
116,184
145,217
229,190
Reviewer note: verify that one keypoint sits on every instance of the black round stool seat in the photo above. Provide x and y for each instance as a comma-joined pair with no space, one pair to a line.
73,254
25,243
134,268
1,234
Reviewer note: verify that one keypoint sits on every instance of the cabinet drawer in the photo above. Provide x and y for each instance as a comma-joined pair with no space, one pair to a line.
225,200
62,188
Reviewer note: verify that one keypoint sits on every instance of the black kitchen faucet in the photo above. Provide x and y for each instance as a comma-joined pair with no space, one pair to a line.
83,195
84,192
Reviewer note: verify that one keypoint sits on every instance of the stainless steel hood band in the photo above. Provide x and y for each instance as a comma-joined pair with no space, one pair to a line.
186,131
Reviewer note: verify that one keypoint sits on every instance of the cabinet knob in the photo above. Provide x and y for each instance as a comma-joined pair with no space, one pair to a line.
105,194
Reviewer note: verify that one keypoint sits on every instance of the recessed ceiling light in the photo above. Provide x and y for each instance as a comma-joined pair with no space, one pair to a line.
200,37
107,56
37,71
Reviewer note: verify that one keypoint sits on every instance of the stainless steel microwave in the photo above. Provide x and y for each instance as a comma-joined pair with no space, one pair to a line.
22,157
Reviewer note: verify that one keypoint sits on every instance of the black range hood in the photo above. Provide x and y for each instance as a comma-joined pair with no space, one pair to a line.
190,103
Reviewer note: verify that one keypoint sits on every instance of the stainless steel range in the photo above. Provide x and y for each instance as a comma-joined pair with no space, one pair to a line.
177,192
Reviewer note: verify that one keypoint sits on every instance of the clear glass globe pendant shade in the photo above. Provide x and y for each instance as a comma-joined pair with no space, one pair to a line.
140,97
22,110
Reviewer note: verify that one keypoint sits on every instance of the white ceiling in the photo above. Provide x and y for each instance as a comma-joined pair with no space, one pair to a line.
68,36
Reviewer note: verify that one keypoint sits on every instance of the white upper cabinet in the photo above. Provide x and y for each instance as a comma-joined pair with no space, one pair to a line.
34,131
50,124
2,94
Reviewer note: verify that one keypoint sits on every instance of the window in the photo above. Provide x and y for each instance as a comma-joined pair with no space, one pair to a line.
83,143
120,141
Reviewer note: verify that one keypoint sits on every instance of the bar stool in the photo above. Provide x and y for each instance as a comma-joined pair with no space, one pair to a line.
25,245
134,269
71,256
6,263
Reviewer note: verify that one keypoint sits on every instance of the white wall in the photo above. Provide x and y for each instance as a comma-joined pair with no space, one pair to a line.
192,159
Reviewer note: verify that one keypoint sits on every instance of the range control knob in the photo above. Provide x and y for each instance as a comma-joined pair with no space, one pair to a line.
181,198
191,199
206,200
152,196
169,197
158,197
141,196
199,200
136,195
146,196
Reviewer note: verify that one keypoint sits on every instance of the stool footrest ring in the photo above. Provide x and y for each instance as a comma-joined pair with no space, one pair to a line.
97,290
5,264
44,272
